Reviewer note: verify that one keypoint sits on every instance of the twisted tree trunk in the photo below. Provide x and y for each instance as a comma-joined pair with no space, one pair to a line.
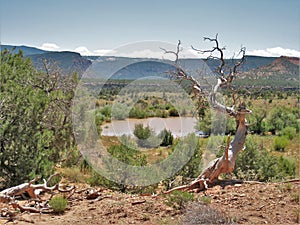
225,163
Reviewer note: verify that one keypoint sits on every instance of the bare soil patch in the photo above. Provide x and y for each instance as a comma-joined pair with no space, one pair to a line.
257,203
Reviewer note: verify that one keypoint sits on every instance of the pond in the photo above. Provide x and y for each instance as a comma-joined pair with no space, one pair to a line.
179,126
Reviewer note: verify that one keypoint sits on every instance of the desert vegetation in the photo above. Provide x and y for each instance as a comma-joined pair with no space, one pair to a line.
37,140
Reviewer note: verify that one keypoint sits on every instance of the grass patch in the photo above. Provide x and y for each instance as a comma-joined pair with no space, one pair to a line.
179,199
74,175
295,197
205,199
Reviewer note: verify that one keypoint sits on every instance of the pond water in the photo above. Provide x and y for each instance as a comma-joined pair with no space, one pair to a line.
179,126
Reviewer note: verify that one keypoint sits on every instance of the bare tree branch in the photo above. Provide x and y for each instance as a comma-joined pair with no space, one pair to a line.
175,53
225,163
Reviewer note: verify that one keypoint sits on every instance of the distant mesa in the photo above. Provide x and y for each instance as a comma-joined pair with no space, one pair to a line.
25,49
69,62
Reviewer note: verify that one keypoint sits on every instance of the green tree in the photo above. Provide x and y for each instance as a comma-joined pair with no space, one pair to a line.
259,164
35,123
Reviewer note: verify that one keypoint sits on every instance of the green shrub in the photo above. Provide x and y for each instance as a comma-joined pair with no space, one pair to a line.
189,153
152,142
128,142
146,136
280,143
140,132
119,111
173,112
70,157
137,112
259,164
106,111
179,199
128,154
34,130
289,132
281,117
58,204
166,137
285,167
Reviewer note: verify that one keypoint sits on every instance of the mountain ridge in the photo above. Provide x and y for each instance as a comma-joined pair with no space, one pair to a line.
134,68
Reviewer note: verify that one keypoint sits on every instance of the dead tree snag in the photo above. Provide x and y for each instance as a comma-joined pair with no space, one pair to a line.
226,75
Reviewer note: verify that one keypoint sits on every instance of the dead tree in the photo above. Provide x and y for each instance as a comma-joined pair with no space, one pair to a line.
225,76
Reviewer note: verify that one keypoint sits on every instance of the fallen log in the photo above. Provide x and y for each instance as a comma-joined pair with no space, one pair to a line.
33,190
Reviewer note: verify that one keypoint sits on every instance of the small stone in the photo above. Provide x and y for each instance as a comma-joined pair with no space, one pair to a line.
169,209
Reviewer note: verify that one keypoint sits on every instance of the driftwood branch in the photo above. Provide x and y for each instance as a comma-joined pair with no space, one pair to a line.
33,190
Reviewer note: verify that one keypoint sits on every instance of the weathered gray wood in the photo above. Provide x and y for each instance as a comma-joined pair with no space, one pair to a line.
225,163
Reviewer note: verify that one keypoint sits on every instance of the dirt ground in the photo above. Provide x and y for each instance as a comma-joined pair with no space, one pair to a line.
255,203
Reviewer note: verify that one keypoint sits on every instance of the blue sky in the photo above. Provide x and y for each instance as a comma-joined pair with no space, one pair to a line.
265,27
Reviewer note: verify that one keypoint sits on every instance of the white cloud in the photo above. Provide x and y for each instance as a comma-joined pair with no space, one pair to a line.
275,52
50,47
158,53
141,53
83,50
147,53
146,49
100,52
103,52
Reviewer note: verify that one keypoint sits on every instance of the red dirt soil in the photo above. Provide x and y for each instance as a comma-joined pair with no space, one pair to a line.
255,203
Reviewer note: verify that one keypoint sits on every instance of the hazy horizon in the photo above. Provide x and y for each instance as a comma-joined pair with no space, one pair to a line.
265,28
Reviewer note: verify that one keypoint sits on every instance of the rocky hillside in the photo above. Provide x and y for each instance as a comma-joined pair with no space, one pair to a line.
281,74
286,67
